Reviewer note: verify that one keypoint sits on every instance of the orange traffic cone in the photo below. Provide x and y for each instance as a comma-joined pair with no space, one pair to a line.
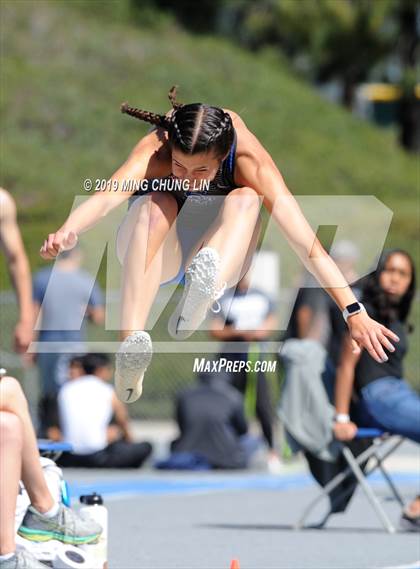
234,564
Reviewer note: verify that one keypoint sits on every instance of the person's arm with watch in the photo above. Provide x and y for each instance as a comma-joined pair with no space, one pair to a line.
344,429
366,333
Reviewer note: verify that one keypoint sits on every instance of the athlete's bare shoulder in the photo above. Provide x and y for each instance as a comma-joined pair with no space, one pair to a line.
249,150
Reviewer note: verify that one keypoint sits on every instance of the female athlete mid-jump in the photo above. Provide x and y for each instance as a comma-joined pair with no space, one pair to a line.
195,143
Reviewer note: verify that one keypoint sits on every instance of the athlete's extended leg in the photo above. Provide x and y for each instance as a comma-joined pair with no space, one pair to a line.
235,238
222,261
149,251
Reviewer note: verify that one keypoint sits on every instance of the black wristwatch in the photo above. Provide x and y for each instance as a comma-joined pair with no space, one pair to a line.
353,309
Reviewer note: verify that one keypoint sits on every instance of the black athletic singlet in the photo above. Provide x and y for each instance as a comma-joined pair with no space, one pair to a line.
368,370
221,185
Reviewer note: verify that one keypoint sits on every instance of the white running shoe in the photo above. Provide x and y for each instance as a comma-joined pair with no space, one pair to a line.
131,362
199,294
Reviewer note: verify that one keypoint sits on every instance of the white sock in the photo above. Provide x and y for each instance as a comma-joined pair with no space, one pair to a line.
50,513
7,556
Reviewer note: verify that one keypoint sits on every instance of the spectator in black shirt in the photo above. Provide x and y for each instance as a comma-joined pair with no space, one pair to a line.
212,423
385,399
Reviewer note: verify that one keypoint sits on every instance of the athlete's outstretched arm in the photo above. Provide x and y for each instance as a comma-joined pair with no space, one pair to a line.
147,160
256,169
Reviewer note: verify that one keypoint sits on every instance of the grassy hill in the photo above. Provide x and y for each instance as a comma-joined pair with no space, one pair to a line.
65,73
65,70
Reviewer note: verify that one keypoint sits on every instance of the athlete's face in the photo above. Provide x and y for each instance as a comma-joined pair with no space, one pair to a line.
396,277
202,166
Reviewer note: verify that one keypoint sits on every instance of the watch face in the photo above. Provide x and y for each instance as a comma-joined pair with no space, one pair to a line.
352,308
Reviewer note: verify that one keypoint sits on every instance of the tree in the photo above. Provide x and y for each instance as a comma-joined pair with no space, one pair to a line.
338,39
196,16
408,49
327,39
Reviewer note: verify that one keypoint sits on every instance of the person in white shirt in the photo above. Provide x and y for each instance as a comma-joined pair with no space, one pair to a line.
87,405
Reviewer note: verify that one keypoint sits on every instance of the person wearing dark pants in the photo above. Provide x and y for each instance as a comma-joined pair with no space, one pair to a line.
248,315
256,391
381,397
118,454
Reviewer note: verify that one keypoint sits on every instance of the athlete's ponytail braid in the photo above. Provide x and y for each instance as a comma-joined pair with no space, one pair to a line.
172,98
147,116
193,128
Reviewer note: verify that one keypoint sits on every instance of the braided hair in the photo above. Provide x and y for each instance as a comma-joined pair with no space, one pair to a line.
193,128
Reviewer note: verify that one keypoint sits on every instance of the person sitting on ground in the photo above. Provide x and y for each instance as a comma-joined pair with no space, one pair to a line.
384,399
19,460
212,425
86,406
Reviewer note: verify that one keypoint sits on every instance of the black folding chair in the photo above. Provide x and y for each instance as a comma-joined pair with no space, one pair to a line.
383,445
